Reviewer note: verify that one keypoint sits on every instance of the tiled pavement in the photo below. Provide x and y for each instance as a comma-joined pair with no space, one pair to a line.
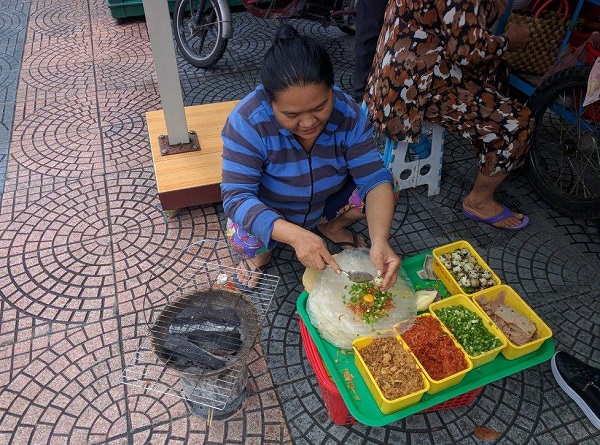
80,232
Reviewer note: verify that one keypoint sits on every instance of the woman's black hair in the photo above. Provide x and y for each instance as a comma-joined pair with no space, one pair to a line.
294,60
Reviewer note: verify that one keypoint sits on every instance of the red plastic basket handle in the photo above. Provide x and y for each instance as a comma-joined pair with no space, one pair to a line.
563,8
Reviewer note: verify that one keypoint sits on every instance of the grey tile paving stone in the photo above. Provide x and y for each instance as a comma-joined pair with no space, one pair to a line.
9,75
7,111
16,6
219,88
249,44
12,40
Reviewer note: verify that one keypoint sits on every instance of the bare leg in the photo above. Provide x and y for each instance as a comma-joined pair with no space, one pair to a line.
336,229
480,201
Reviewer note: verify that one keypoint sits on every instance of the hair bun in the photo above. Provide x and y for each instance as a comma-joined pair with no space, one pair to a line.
285,32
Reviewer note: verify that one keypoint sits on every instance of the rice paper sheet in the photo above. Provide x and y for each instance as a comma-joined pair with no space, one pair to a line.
337,323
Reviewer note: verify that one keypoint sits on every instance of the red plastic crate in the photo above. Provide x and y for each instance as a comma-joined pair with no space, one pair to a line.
338,411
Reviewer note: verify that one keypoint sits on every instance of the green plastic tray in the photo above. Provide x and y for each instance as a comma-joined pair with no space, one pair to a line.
354,391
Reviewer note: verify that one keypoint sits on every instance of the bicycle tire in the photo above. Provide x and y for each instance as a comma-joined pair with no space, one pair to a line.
199,38
564,155
346,23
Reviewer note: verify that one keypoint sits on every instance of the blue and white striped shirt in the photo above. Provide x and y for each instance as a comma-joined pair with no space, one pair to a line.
267,174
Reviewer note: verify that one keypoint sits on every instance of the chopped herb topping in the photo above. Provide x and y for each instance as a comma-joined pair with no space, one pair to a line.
469,330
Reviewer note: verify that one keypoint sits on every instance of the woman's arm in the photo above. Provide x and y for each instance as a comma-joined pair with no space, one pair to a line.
379,207
244,155
374,182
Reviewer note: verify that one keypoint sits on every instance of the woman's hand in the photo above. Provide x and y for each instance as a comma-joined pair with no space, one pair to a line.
310,248
518,36
312,251
386,262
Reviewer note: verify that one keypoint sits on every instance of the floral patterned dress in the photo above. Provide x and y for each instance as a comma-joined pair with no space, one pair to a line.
436,60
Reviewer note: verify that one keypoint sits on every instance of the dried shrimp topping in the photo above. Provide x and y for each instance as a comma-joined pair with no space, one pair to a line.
393,368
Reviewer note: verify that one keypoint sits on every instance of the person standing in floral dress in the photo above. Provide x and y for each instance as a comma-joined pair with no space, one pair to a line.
437,60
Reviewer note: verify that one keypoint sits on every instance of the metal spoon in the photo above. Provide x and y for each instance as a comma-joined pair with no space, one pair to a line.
357,276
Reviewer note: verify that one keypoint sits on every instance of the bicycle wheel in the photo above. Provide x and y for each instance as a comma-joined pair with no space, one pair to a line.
564,157
345,22
199,34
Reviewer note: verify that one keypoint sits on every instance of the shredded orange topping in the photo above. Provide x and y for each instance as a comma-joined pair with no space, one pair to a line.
434,348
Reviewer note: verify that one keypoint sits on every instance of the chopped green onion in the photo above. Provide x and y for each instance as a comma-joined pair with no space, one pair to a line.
469,330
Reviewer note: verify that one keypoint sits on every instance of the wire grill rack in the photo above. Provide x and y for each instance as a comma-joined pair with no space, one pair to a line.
207,268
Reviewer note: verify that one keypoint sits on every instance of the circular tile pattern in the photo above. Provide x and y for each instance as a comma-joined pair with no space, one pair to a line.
71,391
545,265
60,139
201,90
60,262
124,132
60,19
152,253
125,62
63,68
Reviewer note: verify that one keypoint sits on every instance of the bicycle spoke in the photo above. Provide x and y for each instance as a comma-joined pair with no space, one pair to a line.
199,31
564,157
570,164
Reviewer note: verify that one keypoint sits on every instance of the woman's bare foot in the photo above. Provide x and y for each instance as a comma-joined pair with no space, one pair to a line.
249,271
480,205
343,237
494,213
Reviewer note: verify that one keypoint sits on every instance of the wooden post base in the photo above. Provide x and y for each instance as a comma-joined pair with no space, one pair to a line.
190,178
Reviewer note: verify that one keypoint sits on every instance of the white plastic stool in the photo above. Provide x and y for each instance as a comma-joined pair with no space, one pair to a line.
426,171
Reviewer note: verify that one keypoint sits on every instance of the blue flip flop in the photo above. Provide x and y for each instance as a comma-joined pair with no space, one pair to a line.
506,213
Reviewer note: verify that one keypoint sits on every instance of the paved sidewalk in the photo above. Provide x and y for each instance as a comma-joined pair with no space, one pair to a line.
81,231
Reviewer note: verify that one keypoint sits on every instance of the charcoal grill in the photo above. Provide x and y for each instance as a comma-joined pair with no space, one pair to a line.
202,327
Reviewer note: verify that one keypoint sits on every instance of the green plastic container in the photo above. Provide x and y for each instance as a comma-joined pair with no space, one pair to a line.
121,9
355,393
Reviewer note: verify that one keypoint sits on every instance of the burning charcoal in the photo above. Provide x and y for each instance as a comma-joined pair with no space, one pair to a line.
177,349
187,326
226,344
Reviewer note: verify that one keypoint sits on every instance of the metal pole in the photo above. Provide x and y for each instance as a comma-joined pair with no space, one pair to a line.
158,22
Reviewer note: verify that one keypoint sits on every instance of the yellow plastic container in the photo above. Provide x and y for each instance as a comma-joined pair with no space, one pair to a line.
386,405
467,303
436,386
513,300
446,276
